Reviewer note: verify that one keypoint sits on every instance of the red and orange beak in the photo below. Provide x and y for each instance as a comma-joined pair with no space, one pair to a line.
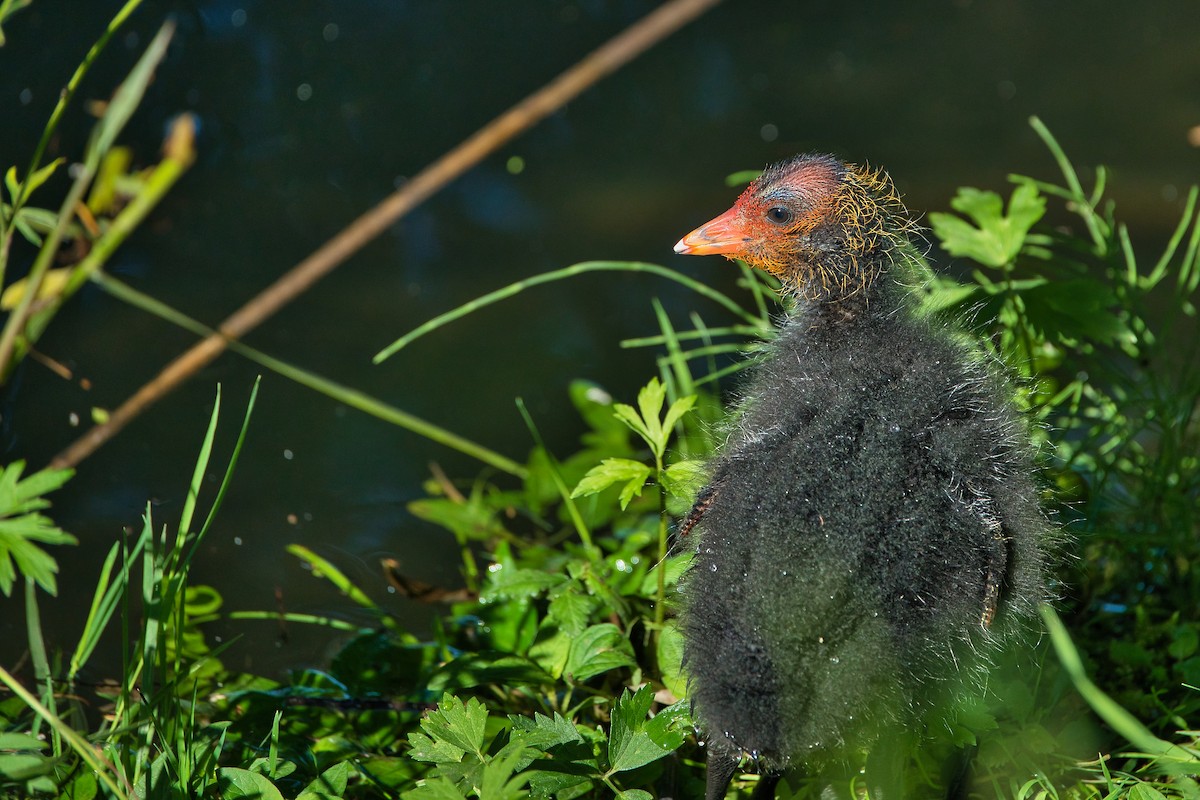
725,235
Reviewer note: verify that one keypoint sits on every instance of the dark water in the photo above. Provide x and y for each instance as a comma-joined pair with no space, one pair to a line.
312,112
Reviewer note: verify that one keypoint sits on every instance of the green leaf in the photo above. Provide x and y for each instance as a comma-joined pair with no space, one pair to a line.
21,741
996,238
685,478
571,609
423,748
242,784
635,794
478,669
20,526
1076,309
633,474
330,783
629,744
509,583
598,649
498,782
470,521
545,732
435,789
677,410
457,724
650,402
670,660
1144,791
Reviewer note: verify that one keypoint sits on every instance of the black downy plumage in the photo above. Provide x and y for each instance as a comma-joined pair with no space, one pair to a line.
871,530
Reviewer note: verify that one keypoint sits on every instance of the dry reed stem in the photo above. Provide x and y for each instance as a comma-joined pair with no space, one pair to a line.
610,56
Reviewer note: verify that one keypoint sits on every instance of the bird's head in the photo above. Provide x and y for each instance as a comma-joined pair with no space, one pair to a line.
826,229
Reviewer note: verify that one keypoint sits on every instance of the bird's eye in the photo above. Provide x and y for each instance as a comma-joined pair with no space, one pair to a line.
779,215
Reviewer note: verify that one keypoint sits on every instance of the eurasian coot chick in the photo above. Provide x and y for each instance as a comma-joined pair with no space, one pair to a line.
871,531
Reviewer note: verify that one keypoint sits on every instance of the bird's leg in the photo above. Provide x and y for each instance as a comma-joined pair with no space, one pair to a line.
995,572
721,767
766,786
704,501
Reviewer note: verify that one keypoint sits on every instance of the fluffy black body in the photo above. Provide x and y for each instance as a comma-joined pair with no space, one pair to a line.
871,532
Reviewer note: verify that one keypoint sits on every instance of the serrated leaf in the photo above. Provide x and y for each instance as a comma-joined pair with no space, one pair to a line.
509,583
458,724
571,610
677,410
498,782
20,527
669,728
545,732
631,474
423,748
598,649
629,745
630,417
650,402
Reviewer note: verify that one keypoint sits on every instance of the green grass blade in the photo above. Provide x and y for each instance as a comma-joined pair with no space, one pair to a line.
679,372
193,493
81,746
343,394
1113,714
559,274
1085,209
564,491
233,460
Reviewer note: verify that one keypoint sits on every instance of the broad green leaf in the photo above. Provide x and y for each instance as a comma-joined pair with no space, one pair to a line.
1144,791
472,520
1076,309
996,238
629,744
21,741
242,784
635,794
669,728
330,783
550,652
598,649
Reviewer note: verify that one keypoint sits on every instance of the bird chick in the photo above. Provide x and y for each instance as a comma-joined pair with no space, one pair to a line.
871,531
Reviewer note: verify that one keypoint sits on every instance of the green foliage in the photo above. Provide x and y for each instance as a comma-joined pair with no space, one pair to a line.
21,526
555,670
